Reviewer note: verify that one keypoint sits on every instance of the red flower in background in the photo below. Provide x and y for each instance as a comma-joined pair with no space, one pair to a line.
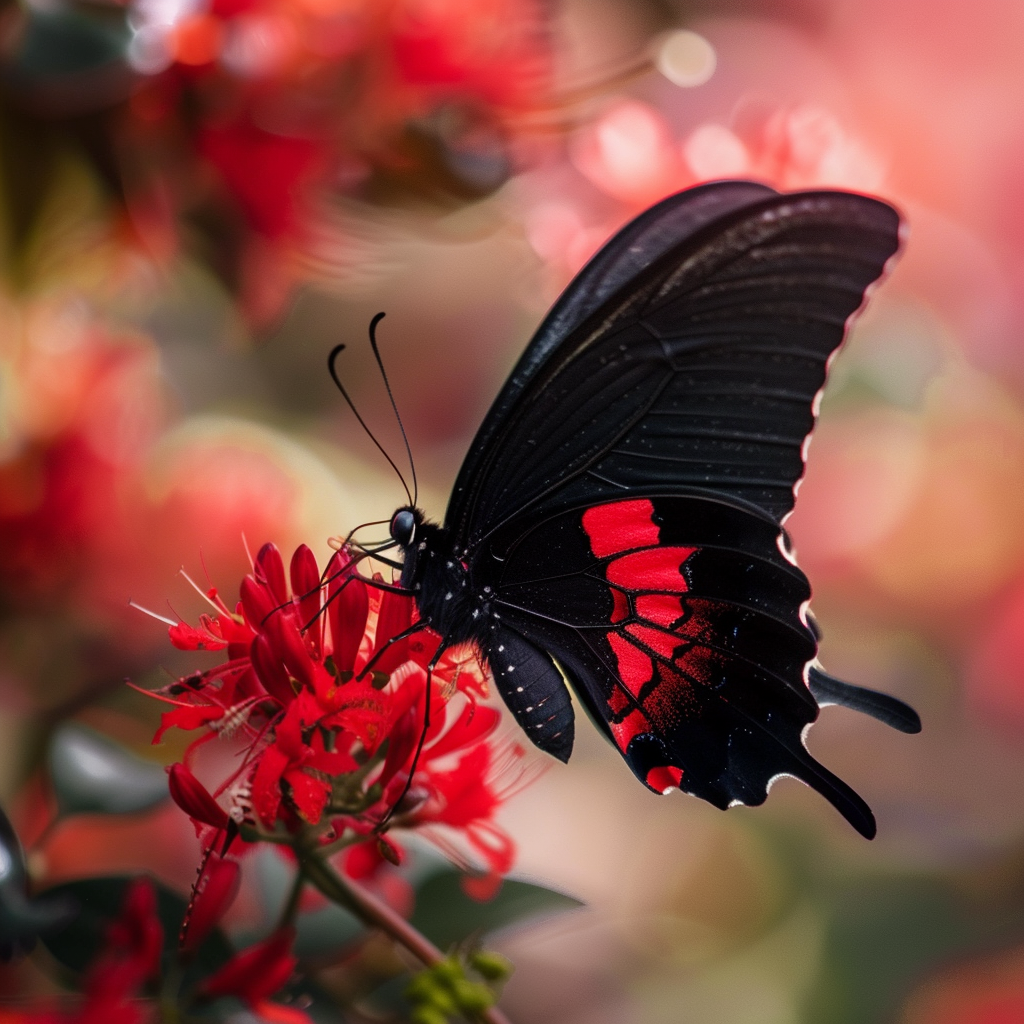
254,111
82,405
130,960
330,708
113,983
255,974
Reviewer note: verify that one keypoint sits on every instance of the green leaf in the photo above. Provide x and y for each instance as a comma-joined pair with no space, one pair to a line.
56,44
92,774
100,901
12,857
446,915
21,919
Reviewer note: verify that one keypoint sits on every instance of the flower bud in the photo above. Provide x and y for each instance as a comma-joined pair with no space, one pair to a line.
194,798
492,966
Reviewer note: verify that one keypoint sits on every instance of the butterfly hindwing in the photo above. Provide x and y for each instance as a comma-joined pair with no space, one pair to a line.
678,621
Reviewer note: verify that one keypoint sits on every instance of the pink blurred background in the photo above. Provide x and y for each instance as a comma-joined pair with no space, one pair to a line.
155,407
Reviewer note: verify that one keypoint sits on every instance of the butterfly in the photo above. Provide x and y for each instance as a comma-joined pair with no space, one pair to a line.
617,522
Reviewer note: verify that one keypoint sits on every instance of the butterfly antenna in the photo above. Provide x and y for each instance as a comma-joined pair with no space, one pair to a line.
380,363
331,359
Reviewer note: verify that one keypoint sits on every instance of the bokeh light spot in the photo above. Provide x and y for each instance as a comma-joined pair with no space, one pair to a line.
686,59
713,151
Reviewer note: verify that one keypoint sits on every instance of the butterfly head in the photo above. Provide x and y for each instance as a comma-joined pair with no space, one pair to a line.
404,524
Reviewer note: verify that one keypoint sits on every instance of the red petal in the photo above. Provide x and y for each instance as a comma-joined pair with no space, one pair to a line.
476,722
271,671
132,950
482,888
194,798
257,602
257,972
212,896
266,788
349,603
269,570
305,579
282,630
395,616
187,718
275,1013
288,734
308,794
495,845
188,638
467,797
423,646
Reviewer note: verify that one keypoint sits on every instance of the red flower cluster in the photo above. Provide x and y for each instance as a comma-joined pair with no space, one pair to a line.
331,708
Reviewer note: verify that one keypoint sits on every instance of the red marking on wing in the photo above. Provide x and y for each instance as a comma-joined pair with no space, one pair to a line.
620,526
662,694
651,569
634,724
618,702
664,779
656,640
661,609
699,663
635,667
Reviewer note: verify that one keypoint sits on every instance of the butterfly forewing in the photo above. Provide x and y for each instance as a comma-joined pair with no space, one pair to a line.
700,372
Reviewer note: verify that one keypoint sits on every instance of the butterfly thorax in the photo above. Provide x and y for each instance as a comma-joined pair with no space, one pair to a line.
440,581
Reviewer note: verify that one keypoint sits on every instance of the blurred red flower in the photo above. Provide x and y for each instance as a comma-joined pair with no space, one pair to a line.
82,408
129,959
255,974
252,111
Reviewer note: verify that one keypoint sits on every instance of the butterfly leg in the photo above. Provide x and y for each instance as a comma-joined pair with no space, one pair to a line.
442,647
416,627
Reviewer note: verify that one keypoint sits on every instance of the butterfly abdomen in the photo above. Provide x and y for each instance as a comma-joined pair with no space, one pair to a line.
462,610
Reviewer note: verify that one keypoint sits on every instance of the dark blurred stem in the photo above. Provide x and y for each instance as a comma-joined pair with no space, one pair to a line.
291,907
168,1001
377,914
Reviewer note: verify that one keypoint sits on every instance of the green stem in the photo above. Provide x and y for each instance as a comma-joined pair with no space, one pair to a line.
377,914
168,999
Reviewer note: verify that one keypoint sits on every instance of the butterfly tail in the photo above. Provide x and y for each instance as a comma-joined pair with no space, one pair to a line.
827,689
844,799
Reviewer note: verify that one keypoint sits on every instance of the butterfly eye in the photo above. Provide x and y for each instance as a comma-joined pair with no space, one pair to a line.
403,527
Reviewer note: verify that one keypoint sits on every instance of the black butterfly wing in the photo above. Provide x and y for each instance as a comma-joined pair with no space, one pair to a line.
688,354
622,502
678,620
